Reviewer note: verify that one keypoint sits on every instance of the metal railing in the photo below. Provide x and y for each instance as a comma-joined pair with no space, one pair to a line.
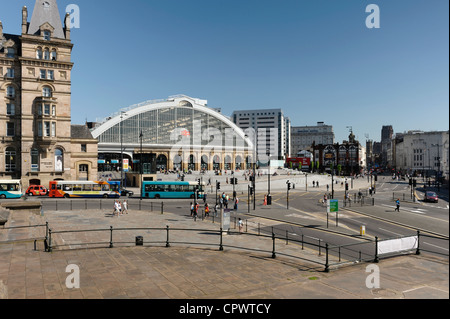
328,255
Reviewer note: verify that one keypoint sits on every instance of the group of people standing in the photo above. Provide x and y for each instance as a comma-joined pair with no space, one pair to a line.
120,208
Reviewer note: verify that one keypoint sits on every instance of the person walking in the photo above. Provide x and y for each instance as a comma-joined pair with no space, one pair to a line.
206,210
192,209
125,206
236,201
241,225
265,200
397,202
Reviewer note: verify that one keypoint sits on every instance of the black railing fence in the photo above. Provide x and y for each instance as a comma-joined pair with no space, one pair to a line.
275,241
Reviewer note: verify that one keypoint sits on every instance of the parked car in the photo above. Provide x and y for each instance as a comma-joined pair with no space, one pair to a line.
431,197
36,190
126,192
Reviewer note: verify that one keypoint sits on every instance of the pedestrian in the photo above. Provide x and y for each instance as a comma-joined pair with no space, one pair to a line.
204,197
314,184
265,200
119,206
236,201
328,187
192,209
195,211
241,225
125,206
116,208
397,202
317,183
206,210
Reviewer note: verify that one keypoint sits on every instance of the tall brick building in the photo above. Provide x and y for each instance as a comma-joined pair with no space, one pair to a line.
37,141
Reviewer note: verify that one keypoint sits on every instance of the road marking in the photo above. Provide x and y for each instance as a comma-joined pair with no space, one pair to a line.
390,231
436,246
418,211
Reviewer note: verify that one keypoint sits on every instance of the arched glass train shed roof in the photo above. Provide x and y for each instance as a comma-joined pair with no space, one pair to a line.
179,120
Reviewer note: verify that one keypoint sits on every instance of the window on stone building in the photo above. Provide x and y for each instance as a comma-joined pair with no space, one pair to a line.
10,92
10,129
35,160
46,91
10,109
47,35
10,159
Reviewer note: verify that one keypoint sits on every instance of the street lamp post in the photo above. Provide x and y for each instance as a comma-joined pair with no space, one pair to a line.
140,165
121,148
439,167
254,169
269,197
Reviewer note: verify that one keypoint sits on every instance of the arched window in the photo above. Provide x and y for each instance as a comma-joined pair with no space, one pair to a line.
10,159
59,160
10,92
53,55
47,91
39,54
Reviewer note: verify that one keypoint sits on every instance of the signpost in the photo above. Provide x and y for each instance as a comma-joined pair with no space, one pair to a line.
333,207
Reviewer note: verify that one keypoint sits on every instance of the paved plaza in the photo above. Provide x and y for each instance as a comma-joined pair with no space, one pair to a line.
186,270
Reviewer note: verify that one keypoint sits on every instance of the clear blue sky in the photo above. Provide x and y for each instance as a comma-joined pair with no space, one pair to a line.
314,59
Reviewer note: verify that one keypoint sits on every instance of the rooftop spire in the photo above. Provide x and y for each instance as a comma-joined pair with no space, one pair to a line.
46,11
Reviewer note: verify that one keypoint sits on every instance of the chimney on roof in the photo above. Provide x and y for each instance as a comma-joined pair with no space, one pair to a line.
24,20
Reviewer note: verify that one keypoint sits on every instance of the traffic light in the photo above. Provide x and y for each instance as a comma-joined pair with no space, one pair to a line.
410,181
218,186
289,186
250,189
199,181
346,186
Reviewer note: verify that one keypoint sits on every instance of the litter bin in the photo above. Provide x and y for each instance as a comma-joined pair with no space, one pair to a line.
139,241
269,199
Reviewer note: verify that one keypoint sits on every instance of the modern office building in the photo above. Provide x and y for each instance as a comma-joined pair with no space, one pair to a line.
38,143
178,133
272,132
303,137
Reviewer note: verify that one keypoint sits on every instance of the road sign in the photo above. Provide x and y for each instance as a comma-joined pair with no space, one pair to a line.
332,206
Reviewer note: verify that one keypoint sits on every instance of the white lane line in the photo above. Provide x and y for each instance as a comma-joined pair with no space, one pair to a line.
436,246
390,231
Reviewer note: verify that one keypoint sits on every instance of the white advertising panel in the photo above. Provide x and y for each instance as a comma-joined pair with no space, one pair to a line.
396,245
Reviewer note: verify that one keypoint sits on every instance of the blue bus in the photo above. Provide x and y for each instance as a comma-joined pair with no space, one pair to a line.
179,190
10,189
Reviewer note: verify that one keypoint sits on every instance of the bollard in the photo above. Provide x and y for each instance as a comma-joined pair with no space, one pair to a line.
162,208
327,267
362,231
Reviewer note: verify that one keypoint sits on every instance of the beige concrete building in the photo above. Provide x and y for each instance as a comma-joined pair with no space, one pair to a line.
37,143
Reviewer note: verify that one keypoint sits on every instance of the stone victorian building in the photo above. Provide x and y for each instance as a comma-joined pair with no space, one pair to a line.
38,144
